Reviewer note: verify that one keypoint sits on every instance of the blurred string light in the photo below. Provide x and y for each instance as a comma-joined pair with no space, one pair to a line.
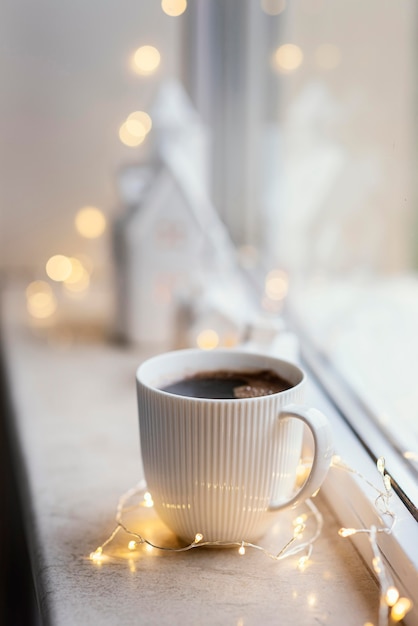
391,605
68,270
287,58
90,222
40,300
273,7
174,8
207,339
135,128
295,544
58,267
146,60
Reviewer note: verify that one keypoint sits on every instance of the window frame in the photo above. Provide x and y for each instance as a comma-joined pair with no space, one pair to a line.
350,494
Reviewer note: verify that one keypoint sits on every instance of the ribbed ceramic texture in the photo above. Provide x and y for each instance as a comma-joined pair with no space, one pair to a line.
214,467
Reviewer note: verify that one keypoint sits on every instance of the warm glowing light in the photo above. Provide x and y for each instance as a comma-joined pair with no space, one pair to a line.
273,7
174,8
132,545
128,139
146,60
400,609
198,537
327,56
241,550
377,564
97,555
287,58
58,267
301,519
90,222
411,455
207,339
347,532
135,129
312,600
302,473
79,281
77,271
276,285
139,122
380,465
303,563
37,286
391,596
42,304
148,501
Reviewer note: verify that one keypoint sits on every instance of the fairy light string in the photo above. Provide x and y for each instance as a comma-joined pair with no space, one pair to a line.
291,548
392,607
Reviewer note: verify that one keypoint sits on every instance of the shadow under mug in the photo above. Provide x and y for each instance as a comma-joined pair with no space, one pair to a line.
218,466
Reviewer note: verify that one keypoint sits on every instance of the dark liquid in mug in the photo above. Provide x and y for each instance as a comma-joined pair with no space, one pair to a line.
229,384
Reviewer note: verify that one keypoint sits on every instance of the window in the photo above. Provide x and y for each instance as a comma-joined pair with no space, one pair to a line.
312,107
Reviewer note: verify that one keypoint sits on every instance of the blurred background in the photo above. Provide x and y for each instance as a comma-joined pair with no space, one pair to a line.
308,109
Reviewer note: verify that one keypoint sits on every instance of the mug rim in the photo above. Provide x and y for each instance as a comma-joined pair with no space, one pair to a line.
219,351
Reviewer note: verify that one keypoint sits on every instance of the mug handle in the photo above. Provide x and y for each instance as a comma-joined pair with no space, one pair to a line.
322,436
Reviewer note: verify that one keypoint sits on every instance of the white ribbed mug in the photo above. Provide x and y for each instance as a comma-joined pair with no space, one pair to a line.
217,467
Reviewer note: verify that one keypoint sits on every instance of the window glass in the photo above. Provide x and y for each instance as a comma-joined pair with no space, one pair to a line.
312,112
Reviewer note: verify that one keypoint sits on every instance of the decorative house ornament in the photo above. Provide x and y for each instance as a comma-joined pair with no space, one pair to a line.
171,248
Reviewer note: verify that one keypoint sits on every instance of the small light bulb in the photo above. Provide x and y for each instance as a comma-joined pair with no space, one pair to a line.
302,563
198,537
381,465
132,545
347,532
241,550
96,556
148,501
388,483
400,609
298,530
301,519
377,564
391,596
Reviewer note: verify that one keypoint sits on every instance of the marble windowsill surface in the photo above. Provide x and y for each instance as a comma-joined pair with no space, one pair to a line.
78,451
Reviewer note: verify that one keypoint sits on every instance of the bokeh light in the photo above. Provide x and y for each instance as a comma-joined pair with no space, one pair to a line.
146,60
90,222
174,8
128,138
287,58
40,300
58,267
207,339
142,119
135,128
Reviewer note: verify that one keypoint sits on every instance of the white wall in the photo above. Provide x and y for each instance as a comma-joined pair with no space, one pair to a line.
66,86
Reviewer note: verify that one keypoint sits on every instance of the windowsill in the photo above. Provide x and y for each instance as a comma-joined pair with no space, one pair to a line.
77,450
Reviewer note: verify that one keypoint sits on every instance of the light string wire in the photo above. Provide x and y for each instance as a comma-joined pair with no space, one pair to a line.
392,607
289,549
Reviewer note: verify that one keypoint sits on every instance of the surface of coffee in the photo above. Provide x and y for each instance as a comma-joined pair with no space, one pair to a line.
229,384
